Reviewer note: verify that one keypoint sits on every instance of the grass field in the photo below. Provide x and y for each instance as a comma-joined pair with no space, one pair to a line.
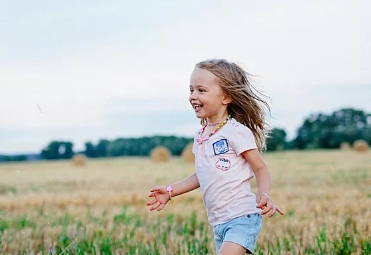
56,208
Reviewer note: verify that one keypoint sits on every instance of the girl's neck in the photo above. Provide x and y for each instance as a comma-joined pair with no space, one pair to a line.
213,124
216,120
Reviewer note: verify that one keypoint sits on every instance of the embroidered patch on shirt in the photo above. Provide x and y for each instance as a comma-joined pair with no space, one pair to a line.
220,147
223,164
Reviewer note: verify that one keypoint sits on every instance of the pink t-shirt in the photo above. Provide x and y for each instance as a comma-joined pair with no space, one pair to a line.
224,174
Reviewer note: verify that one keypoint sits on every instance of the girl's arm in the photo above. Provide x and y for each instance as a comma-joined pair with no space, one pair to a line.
161,196
263,180
188,184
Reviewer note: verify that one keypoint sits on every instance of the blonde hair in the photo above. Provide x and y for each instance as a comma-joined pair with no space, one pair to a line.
246,105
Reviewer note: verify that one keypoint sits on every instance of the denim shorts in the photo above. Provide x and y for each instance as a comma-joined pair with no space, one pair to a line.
243,230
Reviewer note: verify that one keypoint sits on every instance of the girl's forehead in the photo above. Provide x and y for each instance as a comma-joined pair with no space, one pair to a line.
202,77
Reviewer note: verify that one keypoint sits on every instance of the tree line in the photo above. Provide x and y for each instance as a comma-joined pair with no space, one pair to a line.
318,131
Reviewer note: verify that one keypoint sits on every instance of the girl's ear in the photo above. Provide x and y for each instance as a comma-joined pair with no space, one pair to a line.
227,99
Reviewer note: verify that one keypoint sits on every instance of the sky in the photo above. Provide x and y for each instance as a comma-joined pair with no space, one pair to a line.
87,70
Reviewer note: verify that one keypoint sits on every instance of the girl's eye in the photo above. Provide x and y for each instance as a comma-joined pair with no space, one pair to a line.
201,90
191,90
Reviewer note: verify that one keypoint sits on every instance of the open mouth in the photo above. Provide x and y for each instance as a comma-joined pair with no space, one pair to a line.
197,107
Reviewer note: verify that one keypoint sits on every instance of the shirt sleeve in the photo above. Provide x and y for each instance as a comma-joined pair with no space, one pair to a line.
242,139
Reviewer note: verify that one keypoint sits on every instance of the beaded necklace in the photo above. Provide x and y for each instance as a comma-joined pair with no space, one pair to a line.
200,140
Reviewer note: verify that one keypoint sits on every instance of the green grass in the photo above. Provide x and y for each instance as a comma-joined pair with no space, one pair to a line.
161,235
57,208
5,189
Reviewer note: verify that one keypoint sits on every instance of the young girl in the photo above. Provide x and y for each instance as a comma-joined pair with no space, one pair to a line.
228,154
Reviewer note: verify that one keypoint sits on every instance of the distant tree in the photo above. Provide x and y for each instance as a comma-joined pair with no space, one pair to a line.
90,150
276,140
12,158
51,151
58,150
143,146
329,131
68,150
102,148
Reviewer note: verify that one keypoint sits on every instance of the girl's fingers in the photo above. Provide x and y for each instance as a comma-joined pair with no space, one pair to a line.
268,206
151,202
155,206
262,203
273,208
152,194
265,210
280,211
153,191
272,212
161,207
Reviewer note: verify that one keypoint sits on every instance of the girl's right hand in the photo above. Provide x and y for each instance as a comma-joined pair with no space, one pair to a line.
160,198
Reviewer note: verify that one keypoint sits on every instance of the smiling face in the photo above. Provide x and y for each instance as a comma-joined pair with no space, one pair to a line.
207,98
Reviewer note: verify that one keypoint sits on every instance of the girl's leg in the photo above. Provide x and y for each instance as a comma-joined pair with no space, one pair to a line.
238,236
229,248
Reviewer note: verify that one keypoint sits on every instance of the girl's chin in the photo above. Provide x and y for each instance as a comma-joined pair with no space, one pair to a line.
200,115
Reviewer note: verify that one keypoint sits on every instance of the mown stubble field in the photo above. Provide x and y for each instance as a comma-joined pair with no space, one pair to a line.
57,208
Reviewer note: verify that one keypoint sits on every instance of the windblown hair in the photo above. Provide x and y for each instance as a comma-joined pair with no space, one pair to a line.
247,107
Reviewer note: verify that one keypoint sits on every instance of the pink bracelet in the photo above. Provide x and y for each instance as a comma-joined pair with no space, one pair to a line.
169,189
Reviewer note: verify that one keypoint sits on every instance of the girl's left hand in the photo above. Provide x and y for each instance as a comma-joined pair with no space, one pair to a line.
266,204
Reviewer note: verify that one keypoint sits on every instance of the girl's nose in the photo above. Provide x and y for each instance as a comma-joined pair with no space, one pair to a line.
193,96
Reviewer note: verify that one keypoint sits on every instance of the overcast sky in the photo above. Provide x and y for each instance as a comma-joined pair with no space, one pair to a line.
85,70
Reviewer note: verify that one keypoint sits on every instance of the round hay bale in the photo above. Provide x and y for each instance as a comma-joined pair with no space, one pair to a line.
344,146
360,146
160,154
79,160
187,154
